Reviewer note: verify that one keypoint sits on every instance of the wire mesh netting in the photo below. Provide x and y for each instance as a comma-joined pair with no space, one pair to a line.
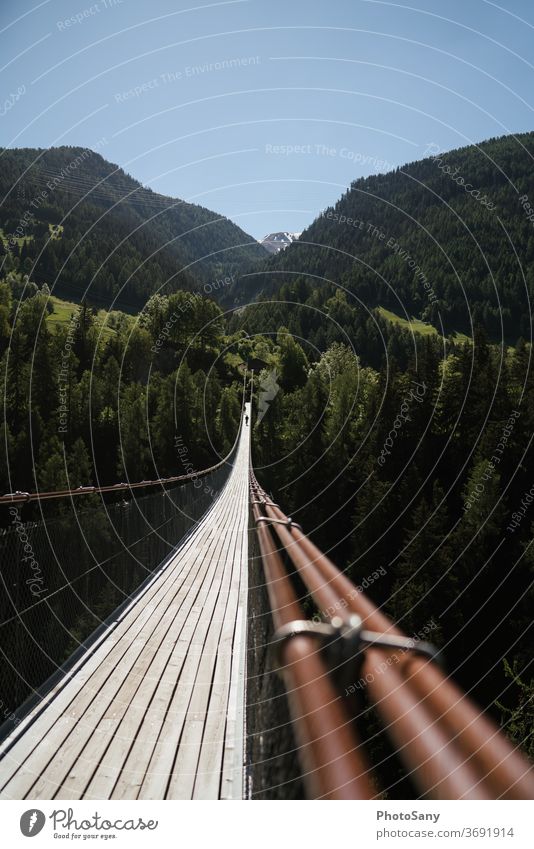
64,575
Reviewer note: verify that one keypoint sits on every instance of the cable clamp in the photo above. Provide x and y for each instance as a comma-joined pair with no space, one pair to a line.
17,496
346,640
288,523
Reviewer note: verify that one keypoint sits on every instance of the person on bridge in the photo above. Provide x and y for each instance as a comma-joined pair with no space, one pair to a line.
246,420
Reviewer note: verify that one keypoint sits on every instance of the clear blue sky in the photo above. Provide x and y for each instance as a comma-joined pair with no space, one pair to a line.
264,111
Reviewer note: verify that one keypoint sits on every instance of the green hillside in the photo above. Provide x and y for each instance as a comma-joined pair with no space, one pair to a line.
86,228
448,240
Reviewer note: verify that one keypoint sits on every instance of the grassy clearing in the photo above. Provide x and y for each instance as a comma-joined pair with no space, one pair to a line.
55,231
18,239
414,325
64,310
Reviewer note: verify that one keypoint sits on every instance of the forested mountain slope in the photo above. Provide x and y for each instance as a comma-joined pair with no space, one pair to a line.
449,239
90,228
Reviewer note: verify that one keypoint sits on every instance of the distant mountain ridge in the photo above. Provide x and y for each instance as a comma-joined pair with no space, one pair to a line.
110,233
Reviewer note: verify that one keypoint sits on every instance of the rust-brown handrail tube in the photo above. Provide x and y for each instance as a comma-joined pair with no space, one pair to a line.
452,750
331,757
509,774
432,758
502,767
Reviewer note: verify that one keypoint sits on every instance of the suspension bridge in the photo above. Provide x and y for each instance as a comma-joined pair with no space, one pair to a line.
156,704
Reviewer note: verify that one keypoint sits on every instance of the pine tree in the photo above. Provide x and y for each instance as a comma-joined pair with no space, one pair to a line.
424,584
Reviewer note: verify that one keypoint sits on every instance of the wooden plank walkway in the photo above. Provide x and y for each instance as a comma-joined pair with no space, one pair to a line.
156,708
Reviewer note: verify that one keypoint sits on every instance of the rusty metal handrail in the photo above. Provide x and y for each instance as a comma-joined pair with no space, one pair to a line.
330,753
18,497
24,497
451,750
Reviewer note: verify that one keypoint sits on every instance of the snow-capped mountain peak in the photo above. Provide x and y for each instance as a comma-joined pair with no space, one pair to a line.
275,242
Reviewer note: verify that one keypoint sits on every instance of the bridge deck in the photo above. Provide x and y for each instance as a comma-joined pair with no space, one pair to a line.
156,709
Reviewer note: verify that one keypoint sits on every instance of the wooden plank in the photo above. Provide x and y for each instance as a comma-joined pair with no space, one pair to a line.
209,696
110,706
221,718
155,784
171,561
234,738
102,731
31,735
130,729
151,729
234,755
45,737
208,777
